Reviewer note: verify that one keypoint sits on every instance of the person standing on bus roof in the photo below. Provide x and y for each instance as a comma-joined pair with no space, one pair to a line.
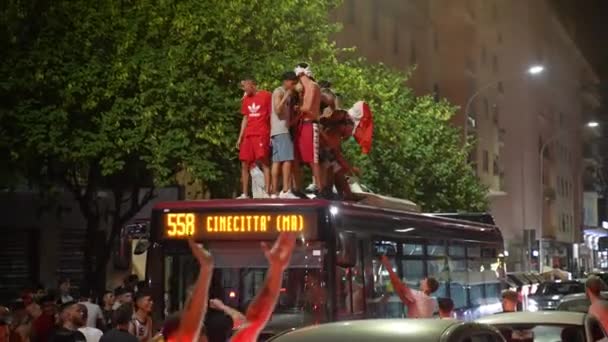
254,137
284,99
307,132
420,304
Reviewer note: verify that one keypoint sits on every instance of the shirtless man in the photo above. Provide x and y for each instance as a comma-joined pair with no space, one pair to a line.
599,306
307,133
336,129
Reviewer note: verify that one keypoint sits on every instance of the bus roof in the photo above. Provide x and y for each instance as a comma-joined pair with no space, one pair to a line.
472,217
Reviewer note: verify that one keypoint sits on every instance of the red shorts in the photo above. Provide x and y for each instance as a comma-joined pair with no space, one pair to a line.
307,142
254,148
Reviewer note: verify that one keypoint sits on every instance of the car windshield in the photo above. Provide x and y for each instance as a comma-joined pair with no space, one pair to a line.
560,288
542,333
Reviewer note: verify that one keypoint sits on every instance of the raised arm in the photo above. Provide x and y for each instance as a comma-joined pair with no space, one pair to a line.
237,317
280,100
404,292
192,319
261,308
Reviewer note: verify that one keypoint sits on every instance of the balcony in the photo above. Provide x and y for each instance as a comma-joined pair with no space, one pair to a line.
591,154
501,137
549,194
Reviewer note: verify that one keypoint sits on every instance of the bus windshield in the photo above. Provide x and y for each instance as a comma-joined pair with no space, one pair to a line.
239,274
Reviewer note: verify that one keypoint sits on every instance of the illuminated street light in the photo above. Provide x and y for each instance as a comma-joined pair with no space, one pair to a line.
532,70
593,124
536,69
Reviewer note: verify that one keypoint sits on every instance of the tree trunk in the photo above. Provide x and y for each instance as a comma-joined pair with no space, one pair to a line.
91,274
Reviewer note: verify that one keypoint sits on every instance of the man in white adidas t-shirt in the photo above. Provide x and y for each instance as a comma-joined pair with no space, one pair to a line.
419,304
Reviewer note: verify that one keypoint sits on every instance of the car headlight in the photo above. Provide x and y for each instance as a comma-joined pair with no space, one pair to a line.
532,305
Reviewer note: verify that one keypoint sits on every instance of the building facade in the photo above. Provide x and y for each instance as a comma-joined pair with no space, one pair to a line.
477,54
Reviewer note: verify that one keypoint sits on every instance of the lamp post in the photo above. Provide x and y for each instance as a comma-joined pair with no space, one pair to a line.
544,146
532,70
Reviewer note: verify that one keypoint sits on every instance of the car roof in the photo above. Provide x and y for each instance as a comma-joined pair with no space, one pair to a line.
582,295
541,317
419,330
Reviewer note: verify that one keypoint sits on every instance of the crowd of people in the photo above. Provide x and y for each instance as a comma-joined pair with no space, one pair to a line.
300,123
125,314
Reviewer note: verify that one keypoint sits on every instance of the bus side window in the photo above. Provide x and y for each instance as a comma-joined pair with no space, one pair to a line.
382,302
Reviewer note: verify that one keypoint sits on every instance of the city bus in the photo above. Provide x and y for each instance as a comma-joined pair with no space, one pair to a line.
335,273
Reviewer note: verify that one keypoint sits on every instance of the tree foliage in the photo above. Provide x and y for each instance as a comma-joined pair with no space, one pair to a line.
416,154
119,95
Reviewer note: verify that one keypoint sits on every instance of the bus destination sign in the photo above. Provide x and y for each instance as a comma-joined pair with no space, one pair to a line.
233,225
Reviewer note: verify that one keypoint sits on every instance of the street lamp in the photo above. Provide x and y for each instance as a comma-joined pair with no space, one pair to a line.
532,70
552,139
536,69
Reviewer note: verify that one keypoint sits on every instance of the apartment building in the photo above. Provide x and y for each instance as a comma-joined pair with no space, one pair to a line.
478,55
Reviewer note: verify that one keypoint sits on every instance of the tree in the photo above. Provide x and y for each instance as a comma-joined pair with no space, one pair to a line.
120,95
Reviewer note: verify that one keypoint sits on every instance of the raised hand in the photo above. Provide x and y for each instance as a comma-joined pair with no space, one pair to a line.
200,254
280,253
216,304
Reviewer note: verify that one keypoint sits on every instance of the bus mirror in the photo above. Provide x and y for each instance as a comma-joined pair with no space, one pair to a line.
141,247
346,249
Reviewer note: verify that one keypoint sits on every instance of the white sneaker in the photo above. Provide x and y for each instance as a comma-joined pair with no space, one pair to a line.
312,188
288,195
243,196
274,196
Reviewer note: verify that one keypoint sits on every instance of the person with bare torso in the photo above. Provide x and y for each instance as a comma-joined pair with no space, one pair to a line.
307,132
335,129
599,307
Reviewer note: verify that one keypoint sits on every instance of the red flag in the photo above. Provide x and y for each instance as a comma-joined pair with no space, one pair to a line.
364,125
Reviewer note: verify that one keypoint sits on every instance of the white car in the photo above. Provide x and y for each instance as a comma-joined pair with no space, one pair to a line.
547,326
397,330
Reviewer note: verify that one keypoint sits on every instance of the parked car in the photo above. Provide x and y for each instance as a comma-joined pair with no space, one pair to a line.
549,294
546,326
387,330
577,302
